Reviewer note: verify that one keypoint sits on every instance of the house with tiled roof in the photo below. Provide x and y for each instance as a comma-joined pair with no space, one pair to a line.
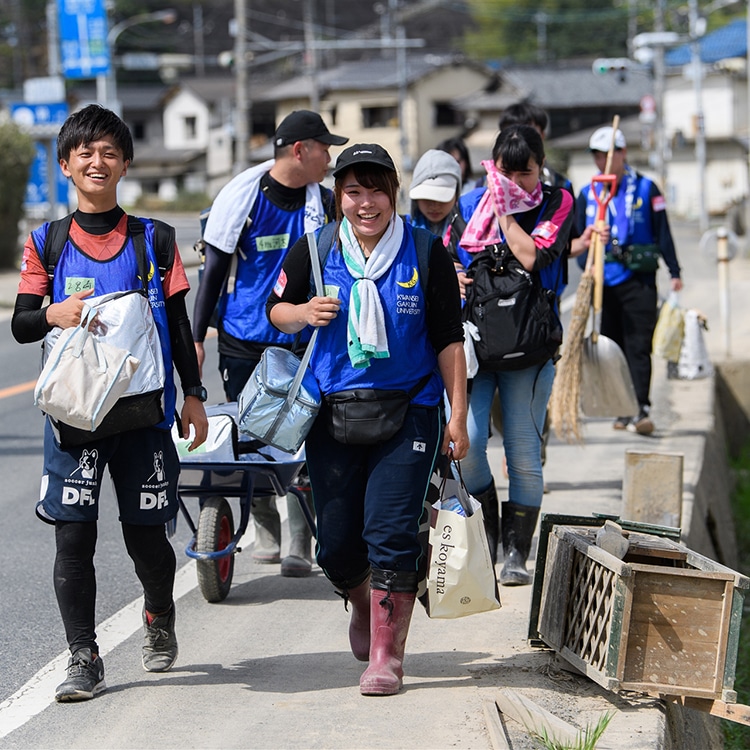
364,99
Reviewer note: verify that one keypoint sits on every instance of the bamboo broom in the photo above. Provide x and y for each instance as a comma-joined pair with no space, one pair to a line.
564,405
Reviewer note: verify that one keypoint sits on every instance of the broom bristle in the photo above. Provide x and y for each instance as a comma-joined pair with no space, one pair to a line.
566,389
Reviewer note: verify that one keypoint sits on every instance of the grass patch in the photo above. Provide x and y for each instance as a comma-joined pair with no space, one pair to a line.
586,740
737,736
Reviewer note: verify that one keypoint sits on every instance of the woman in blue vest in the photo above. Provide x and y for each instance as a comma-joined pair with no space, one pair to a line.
536,231
390,321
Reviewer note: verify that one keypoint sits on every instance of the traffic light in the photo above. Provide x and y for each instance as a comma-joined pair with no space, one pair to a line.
619,65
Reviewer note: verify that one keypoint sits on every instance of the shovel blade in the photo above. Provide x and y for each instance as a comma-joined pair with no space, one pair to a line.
606,386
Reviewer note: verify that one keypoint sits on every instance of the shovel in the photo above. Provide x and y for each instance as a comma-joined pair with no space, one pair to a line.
606,386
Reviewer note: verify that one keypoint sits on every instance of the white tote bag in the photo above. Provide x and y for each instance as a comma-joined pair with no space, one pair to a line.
83,376
461,578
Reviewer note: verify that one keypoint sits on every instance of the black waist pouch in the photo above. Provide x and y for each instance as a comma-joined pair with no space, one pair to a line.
365,416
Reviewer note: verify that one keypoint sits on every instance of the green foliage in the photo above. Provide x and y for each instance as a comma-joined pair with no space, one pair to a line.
16,155
533,31
586,739
23,41
737,736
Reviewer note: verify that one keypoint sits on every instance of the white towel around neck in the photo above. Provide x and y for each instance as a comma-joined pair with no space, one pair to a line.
235,201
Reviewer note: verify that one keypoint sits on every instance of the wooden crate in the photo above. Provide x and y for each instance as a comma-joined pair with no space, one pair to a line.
663,621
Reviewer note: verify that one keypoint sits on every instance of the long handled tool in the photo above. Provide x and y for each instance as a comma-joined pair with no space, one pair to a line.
565,403
606,385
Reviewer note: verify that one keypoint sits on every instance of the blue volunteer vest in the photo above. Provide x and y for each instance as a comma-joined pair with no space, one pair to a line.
629,217
76,272
260,257
411,353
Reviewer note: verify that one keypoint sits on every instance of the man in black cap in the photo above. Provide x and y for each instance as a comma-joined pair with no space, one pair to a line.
254,220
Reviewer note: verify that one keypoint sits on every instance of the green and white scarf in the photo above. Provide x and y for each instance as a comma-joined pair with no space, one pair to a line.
366,334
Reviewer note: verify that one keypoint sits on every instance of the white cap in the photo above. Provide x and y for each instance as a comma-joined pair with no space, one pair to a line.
437,177
601,140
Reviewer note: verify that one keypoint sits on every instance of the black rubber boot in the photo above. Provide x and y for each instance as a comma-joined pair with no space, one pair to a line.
491,513
518,524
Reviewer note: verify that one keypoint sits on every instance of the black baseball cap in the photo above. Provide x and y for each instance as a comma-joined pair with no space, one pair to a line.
363,153
303,124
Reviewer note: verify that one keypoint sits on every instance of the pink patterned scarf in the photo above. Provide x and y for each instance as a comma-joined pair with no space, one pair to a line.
501,198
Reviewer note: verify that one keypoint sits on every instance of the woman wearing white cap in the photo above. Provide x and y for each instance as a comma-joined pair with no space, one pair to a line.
391,321
435,189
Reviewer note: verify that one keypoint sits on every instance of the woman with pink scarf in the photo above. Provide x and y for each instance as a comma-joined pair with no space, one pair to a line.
533,221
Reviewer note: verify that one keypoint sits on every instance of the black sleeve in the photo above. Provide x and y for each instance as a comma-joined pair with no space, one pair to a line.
214,273
296,270
581,223
663,234
183,349
443,300
29,321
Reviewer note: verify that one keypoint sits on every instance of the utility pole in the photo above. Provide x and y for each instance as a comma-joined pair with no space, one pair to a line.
241,129
200,50
700,128
659,76
311,56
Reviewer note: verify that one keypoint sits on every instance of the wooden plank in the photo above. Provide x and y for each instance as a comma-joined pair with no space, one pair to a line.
733,638
736,712
599,677
555,592
495,726
619,628
652,487
593,552
533,717
706,564
690,573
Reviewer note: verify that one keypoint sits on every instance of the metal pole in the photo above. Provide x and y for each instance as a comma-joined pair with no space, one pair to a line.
53,41
106,85
240,70
722,257
311,56
700,130
200,51
659,76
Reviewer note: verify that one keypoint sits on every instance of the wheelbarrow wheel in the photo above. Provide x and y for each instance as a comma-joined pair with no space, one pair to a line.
215,531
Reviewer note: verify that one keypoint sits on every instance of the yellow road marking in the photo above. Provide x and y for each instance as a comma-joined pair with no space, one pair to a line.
14,390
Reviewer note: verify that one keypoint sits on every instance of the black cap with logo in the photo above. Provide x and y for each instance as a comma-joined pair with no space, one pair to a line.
363,153
301,125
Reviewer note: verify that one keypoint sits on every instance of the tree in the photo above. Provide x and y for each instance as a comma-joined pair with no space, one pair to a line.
533,31
16,155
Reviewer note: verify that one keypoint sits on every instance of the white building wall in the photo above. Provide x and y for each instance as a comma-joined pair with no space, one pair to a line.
177,112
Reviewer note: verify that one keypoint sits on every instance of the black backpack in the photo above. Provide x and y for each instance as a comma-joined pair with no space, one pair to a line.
515,315
164,242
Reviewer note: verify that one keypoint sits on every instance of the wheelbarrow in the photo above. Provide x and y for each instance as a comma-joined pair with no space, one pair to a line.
230,468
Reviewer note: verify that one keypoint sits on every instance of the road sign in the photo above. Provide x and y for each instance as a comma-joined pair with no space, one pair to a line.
83,38
42,122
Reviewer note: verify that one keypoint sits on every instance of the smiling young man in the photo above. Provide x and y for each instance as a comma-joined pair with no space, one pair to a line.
254,221
102,249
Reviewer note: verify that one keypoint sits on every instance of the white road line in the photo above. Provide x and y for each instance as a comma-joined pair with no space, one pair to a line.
39,691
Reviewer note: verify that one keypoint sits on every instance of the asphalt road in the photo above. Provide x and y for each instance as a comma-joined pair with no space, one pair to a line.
29,619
